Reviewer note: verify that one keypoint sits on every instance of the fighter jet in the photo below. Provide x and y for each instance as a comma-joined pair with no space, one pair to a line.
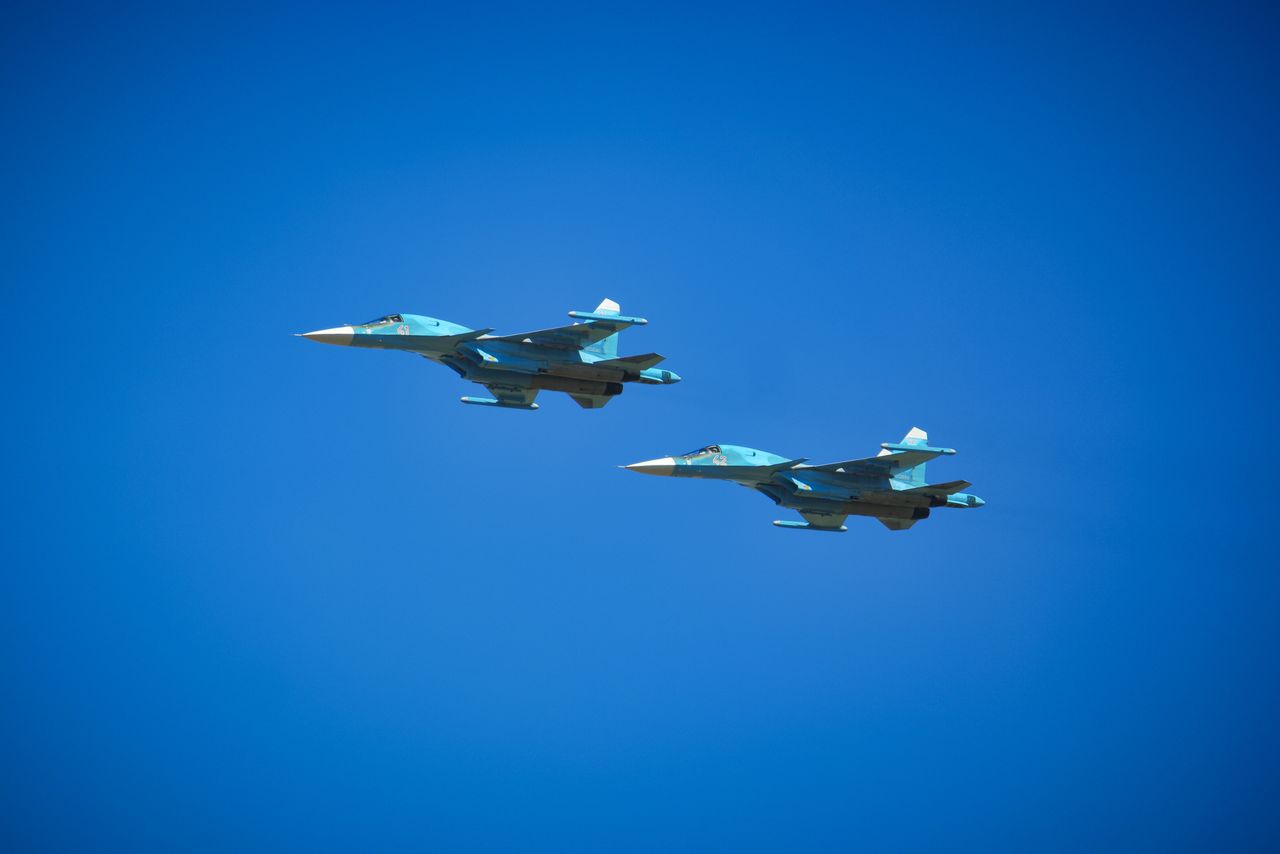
890,486
580,359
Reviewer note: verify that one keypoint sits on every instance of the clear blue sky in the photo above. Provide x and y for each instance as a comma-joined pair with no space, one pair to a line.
260,594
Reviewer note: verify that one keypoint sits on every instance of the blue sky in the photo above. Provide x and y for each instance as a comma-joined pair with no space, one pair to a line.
266,595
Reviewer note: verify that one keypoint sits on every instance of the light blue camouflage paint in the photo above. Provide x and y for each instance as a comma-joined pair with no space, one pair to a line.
580,360
890,487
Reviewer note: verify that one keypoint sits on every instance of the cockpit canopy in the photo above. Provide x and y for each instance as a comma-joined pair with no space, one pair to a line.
709,449
381,321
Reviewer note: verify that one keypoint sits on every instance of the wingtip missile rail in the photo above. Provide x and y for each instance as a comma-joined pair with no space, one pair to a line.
898,446
621,319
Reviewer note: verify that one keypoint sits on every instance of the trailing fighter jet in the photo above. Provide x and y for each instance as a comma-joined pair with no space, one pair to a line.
890,486
581,359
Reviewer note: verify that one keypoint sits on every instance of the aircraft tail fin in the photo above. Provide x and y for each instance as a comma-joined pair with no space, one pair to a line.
607,347
915,475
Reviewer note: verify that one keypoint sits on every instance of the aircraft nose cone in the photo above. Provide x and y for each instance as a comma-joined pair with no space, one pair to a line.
672,377
662,465
337,335
978,502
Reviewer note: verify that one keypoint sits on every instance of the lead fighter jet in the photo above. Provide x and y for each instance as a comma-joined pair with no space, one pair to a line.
890,486
580,359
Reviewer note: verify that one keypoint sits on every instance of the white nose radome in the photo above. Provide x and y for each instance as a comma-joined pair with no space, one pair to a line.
662,465
337,335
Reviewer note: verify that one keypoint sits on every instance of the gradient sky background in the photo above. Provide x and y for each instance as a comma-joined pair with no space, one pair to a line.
263,594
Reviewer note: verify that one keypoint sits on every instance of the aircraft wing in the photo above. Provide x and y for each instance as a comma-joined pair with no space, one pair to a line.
631,363
575,336
886,465
939,488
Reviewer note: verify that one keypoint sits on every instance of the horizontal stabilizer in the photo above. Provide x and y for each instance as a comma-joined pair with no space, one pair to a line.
631,363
